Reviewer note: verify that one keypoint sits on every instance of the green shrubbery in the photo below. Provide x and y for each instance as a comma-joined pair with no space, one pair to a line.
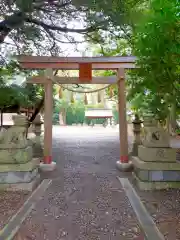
75,113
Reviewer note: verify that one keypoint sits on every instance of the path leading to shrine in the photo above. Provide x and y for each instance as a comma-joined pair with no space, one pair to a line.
85,200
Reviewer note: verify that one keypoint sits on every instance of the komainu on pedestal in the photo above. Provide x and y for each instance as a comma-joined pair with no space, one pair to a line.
18,168
156,167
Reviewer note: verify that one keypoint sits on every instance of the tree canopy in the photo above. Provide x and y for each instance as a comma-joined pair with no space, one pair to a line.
155,41
148,30
157,47
42,26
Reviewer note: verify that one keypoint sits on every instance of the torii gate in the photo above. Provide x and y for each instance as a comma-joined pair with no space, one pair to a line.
85,65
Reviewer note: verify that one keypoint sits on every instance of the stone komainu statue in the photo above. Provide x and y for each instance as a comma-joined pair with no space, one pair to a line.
14,146
15,136
155,136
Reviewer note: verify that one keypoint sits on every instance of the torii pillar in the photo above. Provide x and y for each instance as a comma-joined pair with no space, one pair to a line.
123,164
48,164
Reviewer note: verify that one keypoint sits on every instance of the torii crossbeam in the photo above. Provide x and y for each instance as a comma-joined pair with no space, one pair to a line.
85,65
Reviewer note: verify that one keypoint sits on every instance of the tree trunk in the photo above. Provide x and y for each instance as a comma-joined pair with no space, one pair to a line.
1,118
36,112
61,121
11,22
173,117
64,116
168,124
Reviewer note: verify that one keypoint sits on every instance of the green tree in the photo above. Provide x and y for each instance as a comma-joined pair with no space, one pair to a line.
112,47
61,107
155,85
157,47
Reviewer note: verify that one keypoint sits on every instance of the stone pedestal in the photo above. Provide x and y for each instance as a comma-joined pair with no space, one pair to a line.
18,169
23,176
155,167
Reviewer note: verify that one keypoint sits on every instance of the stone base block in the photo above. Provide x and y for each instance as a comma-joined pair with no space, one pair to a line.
166,166
15,155
30,186
17,167
18,177
155,185
47,167
157,175
156,144
19,173
156,154
124,167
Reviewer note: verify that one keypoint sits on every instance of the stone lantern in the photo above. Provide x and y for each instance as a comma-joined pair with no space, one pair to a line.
155,167
137,135
18,168
37,129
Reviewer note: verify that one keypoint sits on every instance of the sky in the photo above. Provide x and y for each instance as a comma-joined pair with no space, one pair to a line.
73,50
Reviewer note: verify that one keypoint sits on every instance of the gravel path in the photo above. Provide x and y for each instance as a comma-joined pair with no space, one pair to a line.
10,202
164,207
85,200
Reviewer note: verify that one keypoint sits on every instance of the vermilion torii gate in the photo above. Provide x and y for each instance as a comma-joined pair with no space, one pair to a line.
85,65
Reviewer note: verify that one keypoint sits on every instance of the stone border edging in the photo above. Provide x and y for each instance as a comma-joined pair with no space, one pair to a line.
11,229
145,220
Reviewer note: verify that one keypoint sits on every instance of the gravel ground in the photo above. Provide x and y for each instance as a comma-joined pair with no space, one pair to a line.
10,202
164,207
85,200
